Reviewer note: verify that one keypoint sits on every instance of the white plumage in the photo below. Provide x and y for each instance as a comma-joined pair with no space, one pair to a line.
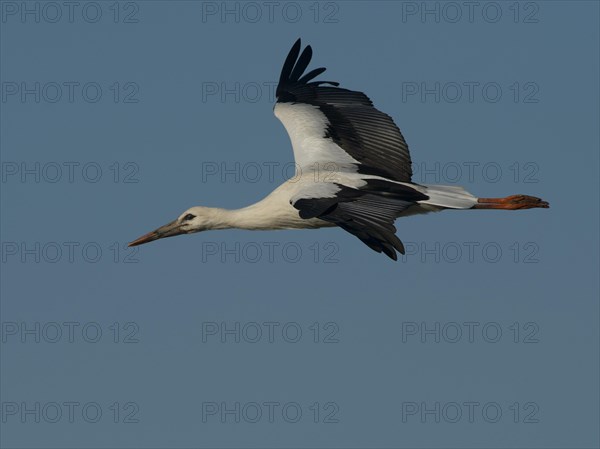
306,126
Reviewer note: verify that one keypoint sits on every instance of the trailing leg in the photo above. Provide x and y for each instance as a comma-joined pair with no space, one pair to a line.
512,202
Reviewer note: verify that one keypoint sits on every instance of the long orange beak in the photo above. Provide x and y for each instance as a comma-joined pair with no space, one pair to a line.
168,230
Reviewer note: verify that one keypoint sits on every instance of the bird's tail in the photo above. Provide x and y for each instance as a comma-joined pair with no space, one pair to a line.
450,197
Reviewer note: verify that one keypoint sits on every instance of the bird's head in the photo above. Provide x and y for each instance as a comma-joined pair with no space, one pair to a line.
195,219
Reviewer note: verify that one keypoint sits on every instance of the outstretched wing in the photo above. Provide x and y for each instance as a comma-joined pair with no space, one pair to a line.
367,212
331,125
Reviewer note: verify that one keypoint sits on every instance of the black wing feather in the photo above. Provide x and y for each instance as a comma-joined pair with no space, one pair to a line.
365,133
288,65
368,213
312,74
302,64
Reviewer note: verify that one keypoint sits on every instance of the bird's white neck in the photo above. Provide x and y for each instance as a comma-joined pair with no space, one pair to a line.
252,217
272,212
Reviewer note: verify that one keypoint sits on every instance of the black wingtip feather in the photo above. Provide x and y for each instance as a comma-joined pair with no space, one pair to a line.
312,74
294,66
301,64
289,63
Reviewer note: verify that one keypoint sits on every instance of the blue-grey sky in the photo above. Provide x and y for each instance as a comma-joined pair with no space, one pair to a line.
116,117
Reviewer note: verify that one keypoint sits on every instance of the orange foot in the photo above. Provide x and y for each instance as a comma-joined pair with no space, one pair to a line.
512,202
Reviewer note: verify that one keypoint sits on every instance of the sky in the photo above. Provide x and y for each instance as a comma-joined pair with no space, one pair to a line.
117,117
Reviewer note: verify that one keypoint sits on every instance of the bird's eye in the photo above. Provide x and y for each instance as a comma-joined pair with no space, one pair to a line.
189,217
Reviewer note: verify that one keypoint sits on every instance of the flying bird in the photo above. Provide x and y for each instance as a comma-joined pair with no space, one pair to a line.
353,170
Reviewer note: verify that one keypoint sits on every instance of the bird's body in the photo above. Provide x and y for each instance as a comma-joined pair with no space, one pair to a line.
275,211
353,171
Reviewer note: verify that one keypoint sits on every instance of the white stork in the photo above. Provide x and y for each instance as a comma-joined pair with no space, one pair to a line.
353,170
